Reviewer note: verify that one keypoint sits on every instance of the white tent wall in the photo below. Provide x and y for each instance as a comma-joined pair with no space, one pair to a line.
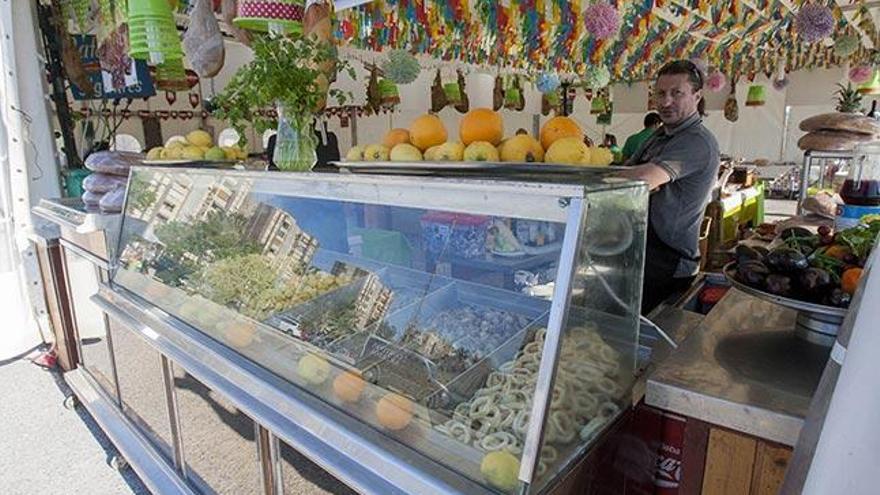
28,173
757,134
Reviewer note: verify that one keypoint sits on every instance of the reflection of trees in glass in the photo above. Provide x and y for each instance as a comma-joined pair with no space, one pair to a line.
140,196
189,246
250,285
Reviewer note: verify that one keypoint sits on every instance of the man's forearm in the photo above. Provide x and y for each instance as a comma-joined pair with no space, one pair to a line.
651,173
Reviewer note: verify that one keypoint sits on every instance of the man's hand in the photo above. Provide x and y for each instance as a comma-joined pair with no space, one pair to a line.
653,174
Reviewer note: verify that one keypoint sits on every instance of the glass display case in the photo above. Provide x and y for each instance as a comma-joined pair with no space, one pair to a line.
488,325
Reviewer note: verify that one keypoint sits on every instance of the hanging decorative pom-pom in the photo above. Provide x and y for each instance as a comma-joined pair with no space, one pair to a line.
814,22
547,83
716,81
846,45
860,74
871,86
602,20
597,77
401,67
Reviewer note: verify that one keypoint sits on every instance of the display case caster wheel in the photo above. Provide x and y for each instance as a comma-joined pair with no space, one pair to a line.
70,402
118,463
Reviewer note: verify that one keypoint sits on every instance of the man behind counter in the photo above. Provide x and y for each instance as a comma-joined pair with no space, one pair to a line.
680,164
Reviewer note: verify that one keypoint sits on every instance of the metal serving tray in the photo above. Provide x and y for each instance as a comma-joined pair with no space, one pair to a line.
386,356
412,285
407,286
428,167
307,322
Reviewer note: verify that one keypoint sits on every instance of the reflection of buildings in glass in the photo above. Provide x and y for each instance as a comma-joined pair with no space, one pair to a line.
283,242
372,302
374,299
229,196
170,192
175,199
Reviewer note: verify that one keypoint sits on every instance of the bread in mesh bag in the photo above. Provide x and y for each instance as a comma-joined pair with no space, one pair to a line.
203,41
101,183
91,199
112,162
112,201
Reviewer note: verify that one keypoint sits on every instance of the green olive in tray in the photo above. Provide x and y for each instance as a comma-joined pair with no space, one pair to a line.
822,268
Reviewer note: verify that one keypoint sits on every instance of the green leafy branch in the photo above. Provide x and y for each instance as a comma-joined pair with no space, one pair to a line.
285,71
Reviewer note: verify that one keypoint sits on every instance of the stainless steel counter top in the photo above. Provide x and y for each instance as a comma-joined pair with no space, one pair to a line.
742,368
94,232
72,213
678,324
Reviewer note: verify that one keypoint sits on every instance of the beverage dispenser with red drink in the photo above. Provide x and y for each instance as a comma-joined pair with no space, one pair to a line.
861,190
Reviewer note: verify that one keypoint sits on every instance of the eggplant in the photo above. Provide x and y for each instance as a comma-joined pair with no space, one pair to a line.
838,298
814,282
779,284
787,260
747,253
752,273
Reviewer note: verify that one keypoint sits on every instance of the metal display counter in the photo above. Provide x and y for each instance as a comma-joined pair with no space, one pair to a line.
744,368
734,396
211,397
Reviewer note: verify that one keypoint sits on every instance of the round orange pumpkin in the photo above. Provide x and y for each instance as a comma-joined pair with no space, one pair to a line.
395,137
481,124
394,412
426,131
558,128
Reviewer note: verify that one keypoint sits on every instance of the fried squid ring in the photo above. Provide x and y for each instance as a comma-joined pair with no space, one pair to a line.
497,441
607,387
521,422
456,430
561,427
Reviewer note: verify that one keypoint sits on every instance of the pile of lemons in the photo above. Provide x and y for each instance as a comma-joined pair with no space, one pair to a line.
197,145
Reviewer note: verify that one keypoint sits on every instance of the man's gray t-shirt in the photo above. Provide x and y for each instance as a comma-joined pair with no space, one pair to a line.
689,153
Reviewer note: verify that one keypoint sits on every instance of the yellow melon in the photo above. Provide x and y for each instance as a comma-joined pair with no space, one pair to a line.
481,151
481,124
348,387
522,149
394,412
558,128
313,369
426,131
239,334
395,137
568,151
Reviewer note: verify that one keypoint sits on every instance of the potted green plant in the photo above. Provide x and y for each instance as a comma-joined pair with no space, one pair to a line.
286,74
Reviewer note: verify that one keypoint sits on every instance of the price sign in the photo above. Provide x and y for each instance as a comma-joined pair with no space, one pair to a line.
138,83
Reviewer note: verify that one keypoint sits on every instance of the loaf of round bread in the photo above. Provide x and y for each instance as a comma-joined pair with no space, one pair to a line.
832,140
849,122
